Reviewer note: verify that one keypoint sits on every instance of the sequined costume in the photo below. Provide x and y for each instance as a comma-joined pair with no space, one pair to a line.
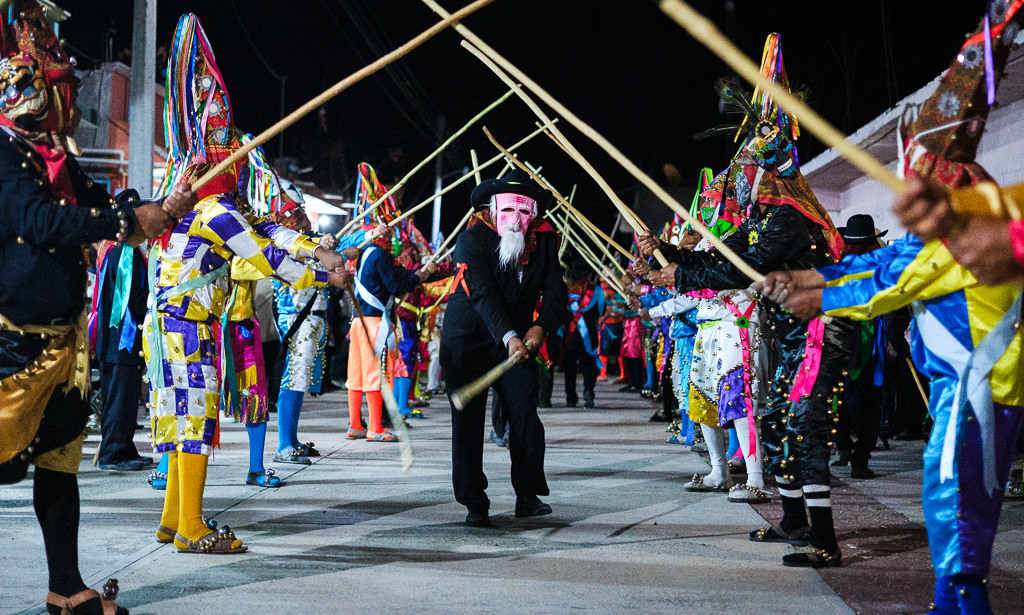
966,336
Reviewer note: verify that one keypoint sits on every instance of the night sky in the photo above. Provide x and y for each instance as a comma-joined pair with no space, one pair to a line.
620,65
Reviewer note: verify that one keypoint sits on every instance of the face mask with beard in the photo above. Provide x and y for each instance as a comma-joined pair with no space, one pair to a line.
512,215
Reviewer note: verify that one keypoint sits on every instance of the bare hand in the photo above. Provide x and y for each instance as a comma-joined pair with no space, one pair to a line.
775,285
983,246
534,338
328,241
804,303
426,270
647,244
180,201
351,253
380,231
665,277
633,302
645,314
516,345
152,220
339,278
641,268
924,208
330,259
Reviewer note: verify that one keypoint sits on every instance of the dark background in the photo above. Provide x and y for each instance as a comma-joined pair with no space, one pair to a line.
621,65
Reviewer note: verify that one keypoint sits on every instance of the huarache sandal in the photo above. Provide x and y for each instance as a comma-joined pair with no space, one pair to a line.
164,534
745,494
157,480
355,434
384,436
215,543
308,450
55,603
265,478
415,413
813,557
697,484
775,533
291,455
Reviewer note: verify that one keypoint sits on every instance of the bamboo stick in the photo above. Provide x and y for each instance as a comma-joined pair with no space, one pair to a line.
455,231
472,158
561,199
596,137
463,395
430,157
336,89
707,34
631,217
635,171
454,184
597,242
584,250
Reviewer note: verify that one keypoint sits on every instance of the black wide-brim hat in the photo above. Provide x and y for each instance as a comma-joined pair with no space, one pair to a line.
860,229
516,182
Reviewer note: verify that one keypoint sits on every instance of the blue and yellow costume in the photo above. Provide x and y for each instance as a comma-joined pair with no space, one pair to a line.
965,335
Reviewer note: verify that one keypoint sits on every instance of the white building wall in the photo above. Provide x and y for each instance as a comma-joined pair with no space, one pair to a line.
1001,153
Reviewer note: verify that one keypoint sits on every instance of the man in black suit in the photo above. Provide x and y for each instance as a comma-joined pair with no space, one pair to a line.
508,258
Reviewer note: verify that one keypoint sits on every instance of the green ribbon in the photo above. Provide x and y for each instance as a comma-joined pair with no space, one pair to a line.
122,286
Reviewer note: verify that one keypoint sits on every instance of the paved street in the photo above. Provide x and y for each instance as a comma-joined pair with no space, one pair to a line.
352,533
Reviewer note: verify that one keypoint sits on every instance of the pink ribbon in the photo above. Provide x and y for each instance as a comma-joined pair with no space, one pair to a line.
808,370
743,324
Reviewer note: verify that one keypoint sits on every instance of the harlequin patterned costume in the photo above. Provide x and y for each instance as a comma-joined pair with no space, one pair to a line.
966,336
191,266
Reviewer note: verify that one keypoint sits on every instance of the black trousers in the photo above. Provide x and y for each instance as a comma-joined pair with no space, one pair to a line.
577,359
122,388
517,392
862,404
795,435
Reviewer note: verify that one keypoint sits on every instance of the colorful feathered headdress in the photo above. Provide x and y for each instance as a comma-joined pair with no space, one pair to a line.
368,191
199,125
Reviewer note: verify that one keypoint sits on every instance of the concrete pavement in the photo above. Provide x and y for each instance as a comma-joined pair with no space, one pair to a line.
353,533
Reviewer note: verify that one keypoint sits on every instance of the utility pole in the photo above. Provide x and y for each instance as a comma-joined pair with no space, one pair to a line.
435,227
142,99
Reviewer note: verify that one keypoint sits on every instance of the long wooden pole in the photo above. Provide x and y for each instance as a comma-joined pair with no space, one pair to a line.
561,199
597,242
707,34
463,395
630,216
455,184
434,154
472,158
455,231
336,89
596,137
585,252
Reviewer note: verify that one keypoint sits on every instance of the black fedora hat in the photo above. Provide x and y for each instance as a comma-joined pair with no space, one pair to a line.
516,182
860,229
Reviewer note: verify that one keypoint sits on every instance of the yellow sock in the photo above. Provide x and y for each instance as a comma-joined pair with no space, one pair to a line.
192,478
169,518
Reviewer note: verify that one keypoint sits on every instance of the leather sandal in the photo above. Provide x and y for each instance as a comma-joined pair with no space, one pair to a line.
384,436
775,533
308,450
214,543
697,484
69,605
745,494
166,531
265,478
813,557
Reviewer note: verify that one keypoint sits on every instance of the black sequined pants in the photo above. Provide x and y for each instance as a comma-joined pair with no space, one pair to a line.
796,436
